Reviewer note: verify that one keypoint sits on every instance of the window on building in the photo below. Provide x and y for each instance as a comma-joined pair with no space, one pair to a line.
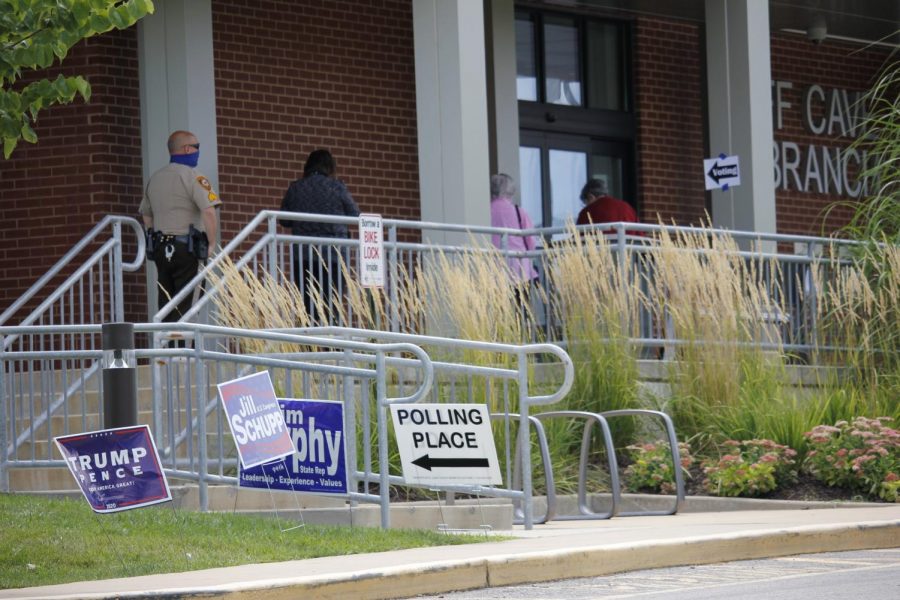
575,114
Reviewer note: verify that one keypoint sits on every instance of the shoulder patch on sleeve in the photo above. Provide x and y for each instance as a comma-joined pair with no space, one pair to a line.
204,183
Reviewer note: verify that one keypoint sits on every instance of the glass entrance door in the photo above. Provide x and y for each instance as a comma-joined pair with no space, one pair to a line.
553,168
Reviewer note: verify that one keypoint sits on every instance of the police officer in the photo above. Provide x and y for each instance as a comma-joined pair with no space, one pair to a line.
179,205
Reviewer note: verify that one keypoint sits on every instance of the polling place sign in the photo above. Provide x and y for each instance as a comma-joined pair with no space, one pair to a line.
319,460
446,444
116,469
255,419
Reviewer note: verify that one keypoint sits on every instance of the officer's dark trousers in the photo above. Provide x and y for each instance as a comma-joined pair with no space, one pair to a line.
173,274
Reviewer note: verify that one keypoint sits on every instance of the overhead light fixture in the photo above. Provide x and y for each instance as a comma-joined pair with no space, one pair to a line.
817,30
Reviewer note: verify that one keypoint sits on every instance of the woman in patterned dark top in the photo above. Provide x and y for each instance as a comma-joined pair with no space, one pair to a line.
316,264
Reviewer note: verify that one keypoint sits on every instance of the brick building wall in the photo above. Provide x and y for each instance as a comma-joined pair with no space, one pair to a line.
670,88
292,77
832,65
86,164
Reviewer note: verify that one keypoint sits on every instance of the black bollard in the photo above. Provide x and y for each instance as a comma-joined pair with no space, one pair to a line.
119,376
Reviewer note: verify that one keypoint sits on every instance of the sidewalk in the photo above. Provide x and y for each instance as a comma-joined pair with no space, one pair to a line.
559,550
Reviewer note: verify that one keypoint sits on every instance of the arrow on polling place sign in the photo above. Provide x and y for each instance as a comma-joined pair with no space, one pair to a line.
446,444
722,172
426,462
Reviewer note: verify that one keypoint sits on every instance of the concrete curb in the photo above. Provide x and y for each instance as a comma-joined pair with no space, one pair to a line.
437,577
655,554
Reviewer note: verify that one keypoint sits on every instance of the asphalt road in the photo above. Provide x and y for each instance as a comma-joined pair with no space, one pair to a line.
873,574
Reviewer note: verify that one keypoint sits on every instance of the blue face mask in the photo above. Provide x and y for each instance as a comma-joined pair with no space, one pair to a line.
189,160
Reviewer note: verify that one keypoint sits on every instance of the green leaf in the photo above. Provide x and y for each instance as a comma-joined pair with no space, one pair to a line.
100,24
28,133
35,106
60,50
9,144
83,87
119,17
137,9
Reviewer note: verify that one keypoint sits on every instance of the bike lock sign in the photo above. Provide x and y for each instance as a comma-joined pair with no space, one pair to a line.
319,461
255,419
446,444
371,251
116,469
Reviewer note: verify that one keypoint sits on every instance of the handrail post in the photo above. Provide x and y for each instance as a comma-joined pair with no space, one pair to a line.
525,442
624,278
812,294
350,426
118,286
4,450
273,247
200,394
156,390
383,466
394,278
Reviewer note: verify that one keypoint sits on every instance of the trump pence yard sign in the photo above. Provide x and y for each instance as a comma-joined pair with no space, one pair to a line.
446,444
116,469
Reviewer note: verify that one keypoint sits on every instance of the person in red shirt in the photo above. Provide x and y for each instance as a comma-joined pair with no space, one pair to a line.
600,207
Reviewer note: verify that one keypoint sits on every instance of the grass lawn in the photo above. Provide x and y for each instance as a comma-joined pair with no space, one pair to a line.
47,541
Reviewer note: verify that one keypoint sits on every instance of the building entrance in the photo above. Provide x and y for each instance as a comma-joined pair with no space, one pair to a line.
554,167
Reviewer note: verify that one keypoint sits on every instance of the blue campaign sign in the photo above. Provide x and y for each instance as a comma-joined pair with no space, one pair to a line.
319,460
255,419
117,469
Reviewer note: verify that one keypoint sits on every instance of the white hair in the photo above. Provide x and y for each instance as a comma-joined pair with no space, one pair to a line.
502,185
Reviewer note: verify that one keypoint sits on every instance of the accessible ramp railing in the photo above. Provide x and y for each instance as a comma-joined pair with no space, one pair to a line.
497,374
367,371
182,406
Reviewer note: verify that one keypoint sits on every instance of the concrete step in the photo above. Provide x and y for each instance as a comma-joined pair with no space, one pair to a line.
489,514
408,515
41,480
229,498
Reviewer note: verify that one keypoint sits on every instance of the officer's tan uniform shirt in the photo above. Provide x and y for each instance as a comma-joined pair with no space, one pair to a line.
175,197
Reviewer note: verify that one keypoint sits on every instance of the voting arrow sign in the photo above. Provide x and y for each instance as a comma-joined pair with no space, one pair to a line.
446,444
722,172
426,462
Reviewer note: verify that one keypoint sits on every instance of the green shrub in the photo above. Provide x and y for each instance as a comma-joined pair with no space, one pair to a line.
651,469
862,455
751,468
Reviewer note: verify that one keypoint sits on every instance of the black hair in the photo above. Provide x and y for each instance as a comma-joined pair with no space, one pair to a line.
319,161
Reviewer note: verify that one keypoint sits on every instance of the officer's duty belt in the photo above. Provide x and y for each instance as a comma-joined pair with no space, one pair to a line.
165,237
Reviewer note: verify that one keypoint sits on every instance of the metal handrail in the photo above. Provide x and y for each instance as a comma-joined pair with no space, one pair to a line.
519,374
68,257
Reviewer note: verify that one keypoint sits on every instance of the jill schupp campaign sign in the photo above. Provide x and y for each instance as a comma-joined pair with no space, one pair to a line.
117,469
255,419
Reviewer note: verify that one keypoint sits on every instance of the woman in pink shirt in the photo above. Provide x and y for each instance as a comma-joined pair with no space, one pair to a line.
506,214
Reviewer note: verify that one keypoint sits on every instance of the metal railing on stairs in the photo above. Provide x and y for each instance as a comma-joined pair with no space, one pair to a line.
94,292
